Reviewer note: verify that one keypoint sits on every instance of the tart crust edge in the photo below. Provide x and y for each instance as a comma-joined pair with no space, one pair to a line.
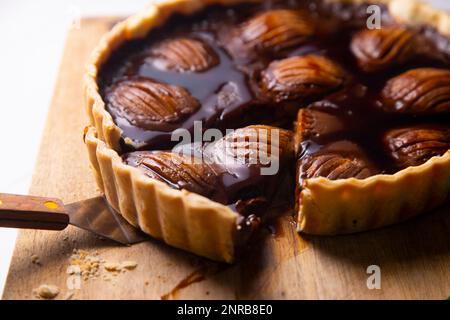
199,225
375,202
180,218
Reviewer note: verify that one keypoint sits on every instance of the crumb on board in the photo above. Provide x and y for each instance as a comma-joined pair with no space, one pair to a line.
46,291
89,265
120,267
129,265
84,263
112,266
35,259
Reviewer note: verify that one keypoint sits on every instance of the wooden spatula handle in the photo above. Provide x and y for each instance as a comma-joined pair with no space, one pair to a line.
29,212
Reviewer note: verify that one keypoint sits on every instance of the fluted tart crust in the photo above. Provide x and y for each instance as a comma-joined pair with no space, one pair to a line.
350,196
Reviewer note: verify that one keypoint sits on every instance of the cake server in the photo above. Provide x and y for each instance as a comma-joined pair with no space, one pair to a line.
95,215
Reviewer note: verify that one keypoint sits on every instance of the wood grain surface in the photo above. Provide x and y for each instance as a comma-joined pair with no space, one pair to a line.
414,257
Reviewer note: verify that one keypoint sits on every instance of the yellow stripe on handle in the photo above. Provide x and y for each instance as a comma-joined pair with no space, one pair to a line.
51,205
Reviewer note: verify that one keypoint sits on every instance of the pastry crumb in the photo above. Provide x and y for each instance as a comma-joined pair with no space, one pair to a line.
129,265
112,266
122,267
46,291
86,264
35,259
90,266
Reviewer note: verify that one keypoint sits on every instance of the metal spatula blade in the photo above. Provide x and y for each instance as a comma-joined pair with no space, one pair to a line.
97,216
94,215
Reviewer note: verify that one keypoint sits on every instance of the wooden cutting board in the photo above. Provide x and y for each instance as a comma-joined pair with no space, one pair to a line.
414,257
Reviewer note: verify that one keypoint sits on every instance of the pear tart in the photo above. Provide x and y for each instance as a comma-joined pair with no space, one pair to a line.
210,117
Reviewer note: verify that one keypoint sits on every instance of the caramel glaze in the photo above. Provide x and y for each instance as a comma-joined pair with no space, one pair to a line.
239,185
230,94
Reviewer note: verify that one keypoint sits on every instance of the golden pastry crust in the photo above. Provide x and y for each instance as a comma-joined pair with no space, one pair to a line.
199,225
182,219
328,207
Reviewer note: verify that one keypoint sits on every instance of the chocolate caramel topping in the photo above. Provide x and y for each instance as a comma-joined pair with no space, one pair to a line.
178,171
183,55
314,124
308,66
301,78
423,90
228,170
248,145
338,160
146,103
271,31
412,146
381,49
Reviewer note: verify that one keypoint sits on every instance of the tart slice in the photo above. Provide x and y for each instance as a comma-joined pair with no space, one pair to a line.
205,125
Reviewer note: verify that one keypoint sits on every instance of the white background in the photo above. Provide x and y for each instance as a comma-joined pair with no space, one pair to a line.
32,35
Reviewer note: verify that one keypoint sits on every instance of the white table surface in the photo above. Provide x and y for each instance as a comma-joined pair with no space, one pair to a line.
32,37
